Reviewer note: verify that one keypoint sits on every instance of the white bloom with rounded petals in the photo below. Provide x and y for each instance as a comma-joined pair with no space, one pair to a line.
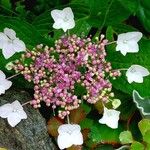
63,19
110,118
4,83
69,134
10,44
136,73
127,42
13,112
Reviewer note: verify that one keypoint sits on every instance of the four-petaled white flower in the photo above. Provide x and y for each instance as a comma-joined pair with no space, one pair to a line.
136,73
110,118
13,112
69,134
10,44
127,42
4,83
63,19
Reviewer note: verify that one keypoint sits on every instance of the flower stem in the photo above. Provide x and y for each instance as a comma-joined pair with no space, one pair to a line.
68,33
28,102
13,76
54,112
111,42
121,69
68,120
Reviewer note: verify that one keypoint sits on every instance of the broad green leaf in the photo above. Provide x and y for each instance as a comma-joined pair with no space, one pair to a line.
100,133
126,137
146,137
143,104
144,126
103,12
137,146
130,5
6,3
86,123
144,13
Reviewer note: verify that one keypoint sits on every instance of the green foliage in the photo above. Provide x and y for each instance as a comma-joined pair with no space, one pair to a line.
126,137
144,126
137,145
100,133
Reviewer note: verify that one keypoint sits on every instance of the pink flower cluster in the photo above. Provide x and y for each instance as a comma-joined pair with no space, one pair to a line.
73,71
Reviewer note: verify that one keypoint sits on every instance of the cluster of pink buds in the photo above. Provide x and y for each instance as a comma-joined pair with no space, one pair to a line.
73,71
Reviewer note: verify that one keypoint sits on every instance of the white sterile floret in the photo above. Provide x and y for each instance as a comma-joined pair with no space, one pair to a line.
127,42
136,73
69,134
4,83
110,118
63,19
10,44
13,112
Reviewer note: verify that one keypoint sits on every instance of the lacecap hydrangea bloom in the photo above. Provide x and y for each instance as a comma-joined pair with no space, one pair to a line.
73,71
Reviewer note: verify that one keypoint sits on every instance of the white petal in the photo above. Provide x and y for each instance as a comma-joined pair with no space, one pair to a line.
68,25
58,24
2,90
2,75
13,119
7,84
64,141
140,69
3,40
5,110
68,128
8,50
77,138
110,118
57,14
18,45
22,114
123,48
68,13
133,47
10,33
4,83
136,36
16,105
136,73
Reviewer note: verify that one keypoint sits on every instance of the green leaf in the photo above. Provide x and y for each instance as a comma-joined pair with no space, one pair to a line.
144,126
143,104
130,5
146,137
6,4
100,133
103,12
137,146
144,13
86,123
126,137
